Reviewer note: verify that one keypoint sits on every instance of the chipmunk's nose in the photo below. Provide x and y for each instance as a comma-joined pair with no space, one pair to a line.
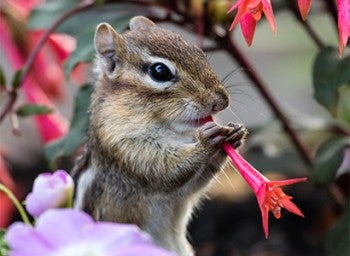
220,102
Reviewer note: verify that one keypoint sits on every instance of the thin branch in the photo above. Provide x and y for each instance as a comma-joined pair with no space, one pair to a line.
228,44
313,34
31,58
9,105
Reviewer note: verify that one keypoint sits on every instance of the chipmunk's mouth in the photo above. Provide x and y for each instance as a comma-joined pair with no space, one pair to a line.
199,121
206,119
188,125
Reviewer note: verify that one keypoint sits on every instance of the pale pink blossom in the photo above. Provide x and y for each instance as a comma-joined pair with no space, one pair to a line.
50,190
69,232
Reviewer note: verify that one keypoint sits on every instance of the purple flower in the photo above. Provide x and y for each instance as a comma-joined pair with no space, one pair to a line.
70,232
50,190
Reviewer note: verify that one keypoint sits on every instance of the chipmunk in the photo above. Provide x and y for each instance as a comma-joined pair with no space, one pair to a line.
150,156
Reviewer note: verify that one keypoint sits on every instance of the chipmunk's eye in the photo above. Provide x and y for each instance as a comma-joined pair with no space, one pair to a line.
160,72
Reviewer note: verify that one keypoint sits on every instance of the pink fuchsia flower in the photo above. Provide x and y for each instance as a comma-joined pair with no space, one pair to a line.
343,23
249,13
50,190
52,126
268,193
304,7
69,232
44,83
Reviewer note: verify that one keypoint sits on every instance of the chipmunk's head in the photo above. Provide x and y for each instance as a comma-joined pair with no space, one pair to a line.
154,75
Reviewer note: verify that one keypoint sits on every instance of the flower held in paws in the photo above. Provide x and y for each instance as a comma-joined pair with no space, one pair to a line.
268,193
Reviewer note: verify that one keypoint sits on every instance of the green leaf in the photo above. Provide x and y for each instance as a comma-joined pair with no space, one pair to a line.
77,133
4,249
99,2
329,74
46,14
343,113
85,50
83,53
83,21
328,159
30,110
337,238
17,79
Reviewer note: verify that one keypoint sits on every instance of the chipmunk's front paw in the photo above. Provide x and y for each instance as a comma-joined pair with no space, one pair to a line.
213,134
236,134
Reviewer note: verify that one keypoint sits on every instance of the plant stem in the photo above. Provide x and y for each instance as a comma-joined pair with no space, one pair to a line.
70,198
305,24
15,201
227,43
10,103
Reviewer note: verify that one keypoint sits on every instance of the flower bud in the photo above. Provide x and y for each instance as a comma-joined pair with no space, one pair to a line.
50,190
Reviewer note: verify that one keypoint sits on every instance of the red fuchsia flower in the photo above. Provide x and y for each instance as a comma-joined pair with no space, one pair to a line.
304,7
44,84
52,126
268,193
343,23
249,13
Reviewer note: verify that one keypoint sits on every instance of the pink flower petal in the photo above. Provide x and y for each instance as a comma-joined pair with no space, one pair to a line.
52,126
63,226
267,9
47,71
248,24
25,241
49,191
254,178
236,5
269,195
242,9
62,45
343,23
291,207
281,183
304,7
23,7
73,232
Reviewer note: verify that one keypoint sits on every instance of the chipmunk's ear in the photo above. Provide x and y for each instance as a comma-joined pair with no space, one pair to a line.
140,23
109,46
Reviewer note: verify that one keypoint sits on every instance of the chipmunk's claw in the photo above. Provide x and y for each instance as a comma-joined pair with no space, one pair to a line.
214,134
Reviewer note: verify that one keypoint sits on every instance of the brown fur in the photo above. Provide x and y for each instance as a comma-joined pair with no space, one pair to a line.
143,168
